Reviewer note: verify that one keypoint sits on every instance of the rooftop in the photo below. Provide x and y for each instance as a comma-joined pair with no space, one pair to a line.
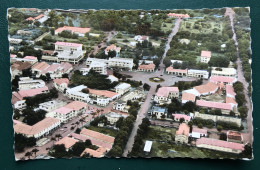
179,15
165,91
95,153
73,29
123,86
206,88
222,79
220,143
178,116
61,81
184,129
19,65
205,54
40,66
216,105
147,67
158,109
230,90
234,135
223,70
198,130
68,44
67,141
171,69
32,92
188,96
105,93
97,135
76,105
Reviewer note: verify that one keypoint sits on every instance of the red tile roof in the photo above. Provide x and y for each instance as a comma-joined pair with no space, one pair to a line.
106,93
220,143
216,105
198,130
171,69
67,141
32,92
206,88
178,116
40,66
184,129
231,100
205,54
73,29
30,57
146,67
61,81
222,79
188,96
97,135
95,153
19,65
234,135
230,90
113,47
178,15
76,105
165,91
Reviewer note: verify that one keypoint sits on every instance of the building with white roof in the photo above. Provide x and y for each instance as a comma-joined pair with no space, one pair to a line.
120,105
28,83
159,112
113,117
126,63
98,67
148,146
222,71
198,133
112,78
122,88
51,105
198,73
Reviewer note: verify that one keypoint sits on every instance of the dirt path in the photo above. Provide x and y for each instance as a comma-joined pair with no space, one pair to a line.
248,137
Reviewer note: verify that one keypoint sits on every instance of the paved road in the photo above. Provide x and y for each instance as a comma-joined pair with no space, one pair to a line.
240,76
145,105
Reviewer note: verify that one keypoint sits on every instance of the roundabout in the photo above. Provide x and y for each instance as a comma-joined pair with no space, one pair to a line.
156,79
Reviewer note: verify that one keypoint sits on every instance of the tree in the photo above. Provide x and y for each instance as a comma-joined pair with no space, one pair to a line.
59,151
157,62
78,148
35,150
146,87
88,143
28,154
167,62
157,87
243,111
218,61
219,128
182,120
223,136
240,98
189,106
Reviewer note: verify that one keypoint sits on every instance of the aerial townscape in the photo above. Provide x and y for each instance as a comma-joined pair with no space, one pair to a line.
131,83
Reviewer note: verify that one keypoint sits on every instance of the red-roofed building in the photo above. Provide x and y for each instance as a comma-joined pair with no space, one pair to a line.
224,107
100,152
177,117
38,130
220,145
178,72
77,30
61,84
67,142
174,15
146,67
188,97
230,91
165,94
223,79
97,136
113,47
182,134
205,56
206,89
233,136
33,92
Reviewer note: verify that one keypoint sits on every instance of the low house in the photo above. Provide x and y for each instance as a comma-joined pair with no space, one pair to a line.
230,91
178,117
141,38
99,153
222,71
61,84
38,130
206,89
122,88
18,67
148,146
198,73
220,145
67,142
26,83
187,97
113,47
159,112
233,136
177,72
205,56
120,105
30,59
223,79
146,67
182,134
198,133
74,30
99,67
224,107
174,15
113,117
165,94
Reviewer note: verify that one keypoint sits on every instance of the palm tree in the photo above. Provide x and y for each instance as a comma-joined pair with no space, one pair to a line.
58,136
53,139
35,150
28,154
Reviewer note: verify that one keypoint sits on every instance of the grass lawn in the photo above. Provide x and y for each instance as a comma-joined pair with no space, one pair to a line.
106,131
160,133
168,27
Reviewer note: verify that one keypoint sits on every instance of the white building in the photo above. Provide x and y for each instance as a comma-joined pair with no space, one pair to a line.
198,73
28,83
120,105
122,88
76,94
19,105
165,94
205,56
98,67
221,71
51,105
113,117
61,84
141,38
112,78
126,63
159,112
198,133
